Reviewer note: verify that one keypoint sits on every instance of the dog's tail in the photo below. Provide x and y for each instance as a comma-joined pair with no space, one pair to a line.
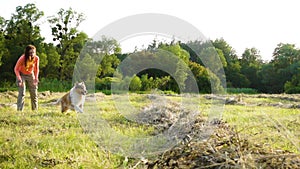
57,102
53,102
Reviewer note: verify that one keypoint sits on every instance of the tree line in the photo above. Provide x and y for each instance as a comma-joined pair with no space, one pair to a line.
100,61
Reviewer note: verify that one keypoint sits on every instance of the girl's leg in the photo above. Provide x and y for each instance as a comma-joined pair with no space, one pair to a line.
21,95
33,92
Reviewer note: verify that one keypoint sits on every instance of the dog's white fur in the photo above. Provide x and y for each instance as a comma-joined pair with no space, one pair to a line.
74,99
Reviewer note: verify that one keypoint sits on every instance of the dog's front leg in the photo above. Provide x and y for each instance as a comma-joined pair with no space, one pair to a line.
81,106
77,109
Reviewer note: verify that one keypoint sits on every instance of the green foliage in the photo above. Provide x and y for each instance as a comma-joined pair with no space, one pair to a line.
104,57
202,77
70,40
54,85
168,67
108,66
234,77
181,75
135,84
251,63
3,50
150,83
18,32
269,79
104,84
285,55
284,66
293,86
8,86
176,50
241,90
147,83
251,56
85,69
53,62
181,58
227,50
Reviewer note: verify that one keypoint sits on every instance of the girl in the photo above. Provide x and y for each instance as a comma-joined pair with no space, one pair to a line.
27,69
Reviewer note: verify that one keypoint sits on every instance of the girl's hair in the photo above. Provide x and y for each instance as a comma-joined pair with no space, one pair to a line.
27,49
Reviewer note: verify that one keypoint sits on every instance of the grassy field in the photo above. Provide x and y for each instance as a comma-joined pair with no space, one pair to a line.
50,139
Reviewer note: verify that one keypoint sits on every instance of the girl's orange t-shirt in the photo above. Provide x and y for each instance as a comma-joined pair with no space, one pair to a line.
32,67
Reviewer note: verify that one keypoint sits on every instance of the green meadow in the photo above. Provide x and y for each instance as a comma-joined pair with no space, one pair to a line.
51,139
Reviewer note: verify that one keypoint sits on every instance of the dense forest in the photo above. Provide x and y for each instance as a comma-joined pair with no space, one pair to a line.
58,59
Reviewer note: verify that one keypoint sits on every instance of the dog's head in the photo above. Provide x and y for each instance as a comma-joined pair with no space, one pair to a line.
80,88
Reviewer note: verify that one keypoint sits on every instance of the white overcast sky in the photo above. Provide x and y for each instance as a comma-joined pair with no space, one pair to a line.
242,23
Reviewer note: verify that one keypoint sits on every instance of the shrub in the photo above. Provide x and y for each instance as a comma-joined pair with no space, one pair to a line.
54,85
135,84
241,90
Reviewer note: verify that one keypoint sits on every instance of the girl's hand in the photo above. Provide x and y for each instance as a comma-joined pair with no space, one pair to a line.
20,83
35,82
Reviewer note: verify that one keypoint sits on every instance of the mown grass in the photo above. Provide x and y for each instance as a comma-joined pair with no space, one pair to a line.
50,139
277,128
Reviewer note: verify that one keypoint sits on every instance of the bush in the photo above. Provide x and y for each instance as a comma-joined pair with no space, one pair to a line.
293,86
293,90
241,90
135,84
54,85
103,84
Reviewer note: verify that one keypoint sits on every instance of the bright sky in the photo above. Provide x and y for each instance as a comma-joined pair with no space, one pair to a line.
242,23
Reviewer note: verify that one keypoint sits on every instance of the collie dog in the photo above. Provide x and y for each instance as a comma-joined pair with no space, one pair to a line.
74,99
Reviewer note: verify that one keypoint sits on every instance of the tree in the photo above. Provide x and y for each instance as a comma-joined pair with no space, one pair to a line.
284,55
201,75
3,50
234,77
104,53
251,56
293,86
181,58
212,58
176,50
86,69
21,30
207,55
251,63
269,79
53,62
108,65
69,40
194,48
283,67
228,51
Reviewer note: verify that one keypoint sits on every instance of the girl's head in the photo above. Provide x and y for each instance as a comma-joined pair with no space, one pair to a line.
29,54
30,51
